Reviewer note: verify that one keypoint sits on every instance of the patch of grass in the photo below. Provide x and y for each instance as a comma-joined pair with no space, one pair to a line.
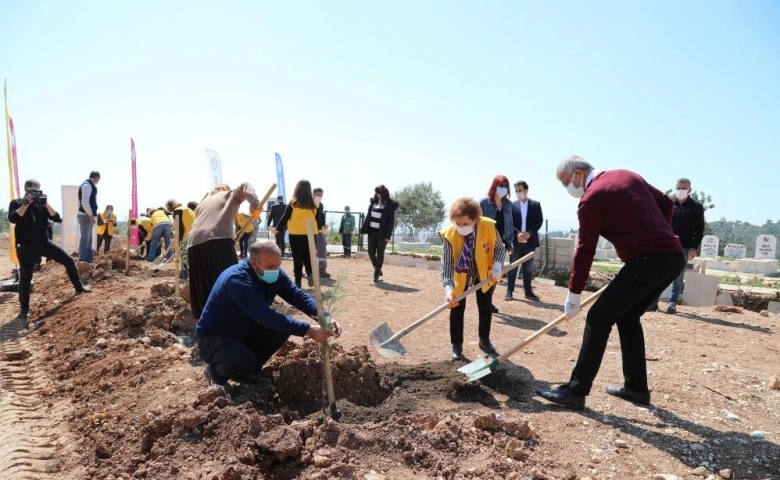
730,280
609,269
432,250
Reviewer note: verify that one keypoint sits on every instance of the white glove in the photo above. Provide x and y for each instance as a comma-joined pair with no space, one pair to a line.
572,306
448,293
497,273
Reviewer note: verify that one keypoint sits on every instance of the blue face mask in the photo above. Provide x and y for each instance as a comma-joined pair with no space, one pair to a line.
269,276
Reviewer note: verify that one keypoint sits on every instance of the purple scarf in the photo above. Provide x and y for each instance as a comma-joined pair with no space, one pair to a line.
466,255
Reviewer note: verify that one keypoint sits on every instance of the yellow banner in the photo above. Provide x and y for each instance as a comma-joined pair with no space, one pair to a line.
12,250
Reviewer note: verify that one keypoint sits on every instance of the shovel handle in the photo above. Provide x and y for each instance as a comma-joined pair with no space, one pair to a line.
547,328
241,232
402,333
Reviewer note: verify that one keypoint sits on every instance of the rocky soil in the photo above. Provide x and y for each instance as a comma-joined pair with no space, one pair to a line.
109,386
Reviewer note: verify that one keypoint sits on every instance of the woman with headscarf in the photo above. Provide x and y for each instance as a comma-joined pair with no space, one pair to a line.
210,245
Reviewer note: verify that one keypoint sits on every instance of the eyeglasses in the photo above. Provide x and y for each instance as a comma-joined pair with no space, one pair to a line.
571,179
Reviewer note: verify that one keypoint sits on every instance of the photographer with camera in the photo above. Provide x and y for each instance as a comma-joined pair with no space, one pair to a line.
30,216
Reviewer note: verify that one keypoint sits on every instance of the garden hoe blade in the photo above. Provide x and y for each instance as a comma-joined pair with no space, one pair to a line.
389,346
483,366
383,342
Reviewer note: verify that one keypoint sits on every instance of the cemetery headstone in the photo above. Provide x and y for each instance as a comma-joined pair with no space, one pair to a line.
700,290
709,247
766,246
734,250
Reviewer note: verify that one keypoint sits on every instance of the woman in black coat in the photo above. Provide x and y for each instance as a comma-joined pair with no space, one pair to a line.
379,225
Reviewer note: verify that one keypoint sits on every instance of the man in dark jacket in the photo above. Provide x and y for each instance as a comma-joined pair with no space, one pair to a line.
238,331
527,218
688,224
31,216
274,216
636,217
87,216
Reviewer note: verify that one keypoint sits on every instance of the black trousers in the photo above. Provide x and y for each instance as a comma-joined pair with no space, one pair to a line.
207,261
376,250
100,240
299,247
346,242
485,309
28,259
520,250
234,356
243,243
280,240
625,300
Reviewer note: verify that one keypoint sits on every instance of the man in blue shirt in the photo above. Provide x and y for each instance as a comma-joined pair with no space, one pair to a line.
238,331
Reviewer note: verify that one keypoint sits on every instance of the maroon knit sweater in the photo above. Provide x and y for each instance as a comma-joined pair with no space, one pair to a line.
622,207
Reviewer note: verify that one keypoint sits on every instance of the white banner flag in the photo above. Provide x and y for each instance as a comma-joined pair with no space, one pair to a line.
70,224
215,168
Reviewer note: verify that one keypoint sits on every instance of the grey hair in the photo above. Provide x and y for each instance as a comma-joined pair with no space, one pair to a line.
264,246
684,181
571,163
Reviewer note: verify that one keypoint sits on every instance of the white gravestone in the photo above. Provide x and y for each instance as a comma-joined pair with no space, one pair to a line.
766,245
734,250
709,247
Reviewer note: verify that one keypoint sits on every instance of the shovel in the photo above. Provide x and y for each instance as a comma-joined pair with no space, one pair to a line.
162,261
482,366
388,345
255,213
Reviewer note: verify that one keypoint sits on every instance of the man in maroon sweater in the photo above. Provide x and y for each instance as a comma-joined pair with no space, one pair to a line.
636,217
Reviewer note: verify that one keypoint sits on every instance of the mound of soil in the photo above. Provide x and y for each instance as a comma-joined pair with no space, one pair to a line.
118,366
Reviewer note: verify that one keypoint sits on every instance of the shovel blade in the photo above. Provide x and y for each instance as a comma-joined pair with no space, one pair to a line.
160,262
479,368
379,337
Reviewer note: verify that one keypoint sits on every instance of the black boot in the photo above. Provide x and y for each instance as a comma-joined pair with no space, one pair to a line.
487,347
457,351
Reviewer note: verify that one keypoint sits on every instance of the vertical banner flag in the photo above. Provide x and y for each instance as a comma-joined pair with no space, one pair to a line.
134,196
13,155
12,249
215,168
280,177
70,223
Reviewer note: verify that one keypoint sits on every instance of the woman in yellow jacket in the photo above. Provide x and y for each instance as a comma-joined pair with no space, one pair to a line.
106,222
471,252
243,242
302,207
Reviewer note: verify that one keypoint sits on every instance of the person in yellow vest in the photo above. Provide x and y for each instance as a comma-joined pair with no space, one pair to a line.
186,218
472,251
106,222
144,225
161,228
302,207
243,242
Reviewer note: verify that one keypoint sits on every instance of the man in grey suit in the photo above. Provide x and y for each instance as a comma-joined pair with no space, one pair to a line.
527,218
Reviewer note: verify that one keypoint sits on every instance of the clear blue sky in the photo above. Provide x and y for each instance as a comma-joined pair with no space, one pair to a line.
353,94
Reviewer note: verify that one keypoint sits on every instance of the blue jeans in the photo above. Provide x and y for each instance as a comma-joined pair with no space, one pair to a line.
161,230
85,238
519,250
677,284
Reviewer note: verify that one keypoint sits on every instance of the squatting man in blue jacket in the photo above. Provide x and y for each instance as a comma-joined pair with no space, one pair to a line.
238,331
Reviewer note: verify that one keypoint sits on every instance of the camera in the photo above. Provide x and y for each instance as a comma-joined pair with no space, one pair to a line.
39,198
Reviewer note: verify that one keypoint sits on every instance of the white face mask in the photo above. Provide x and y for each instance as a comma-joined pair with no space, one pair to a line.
576,192
522,196
465,230
502,191
681,194
318,198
